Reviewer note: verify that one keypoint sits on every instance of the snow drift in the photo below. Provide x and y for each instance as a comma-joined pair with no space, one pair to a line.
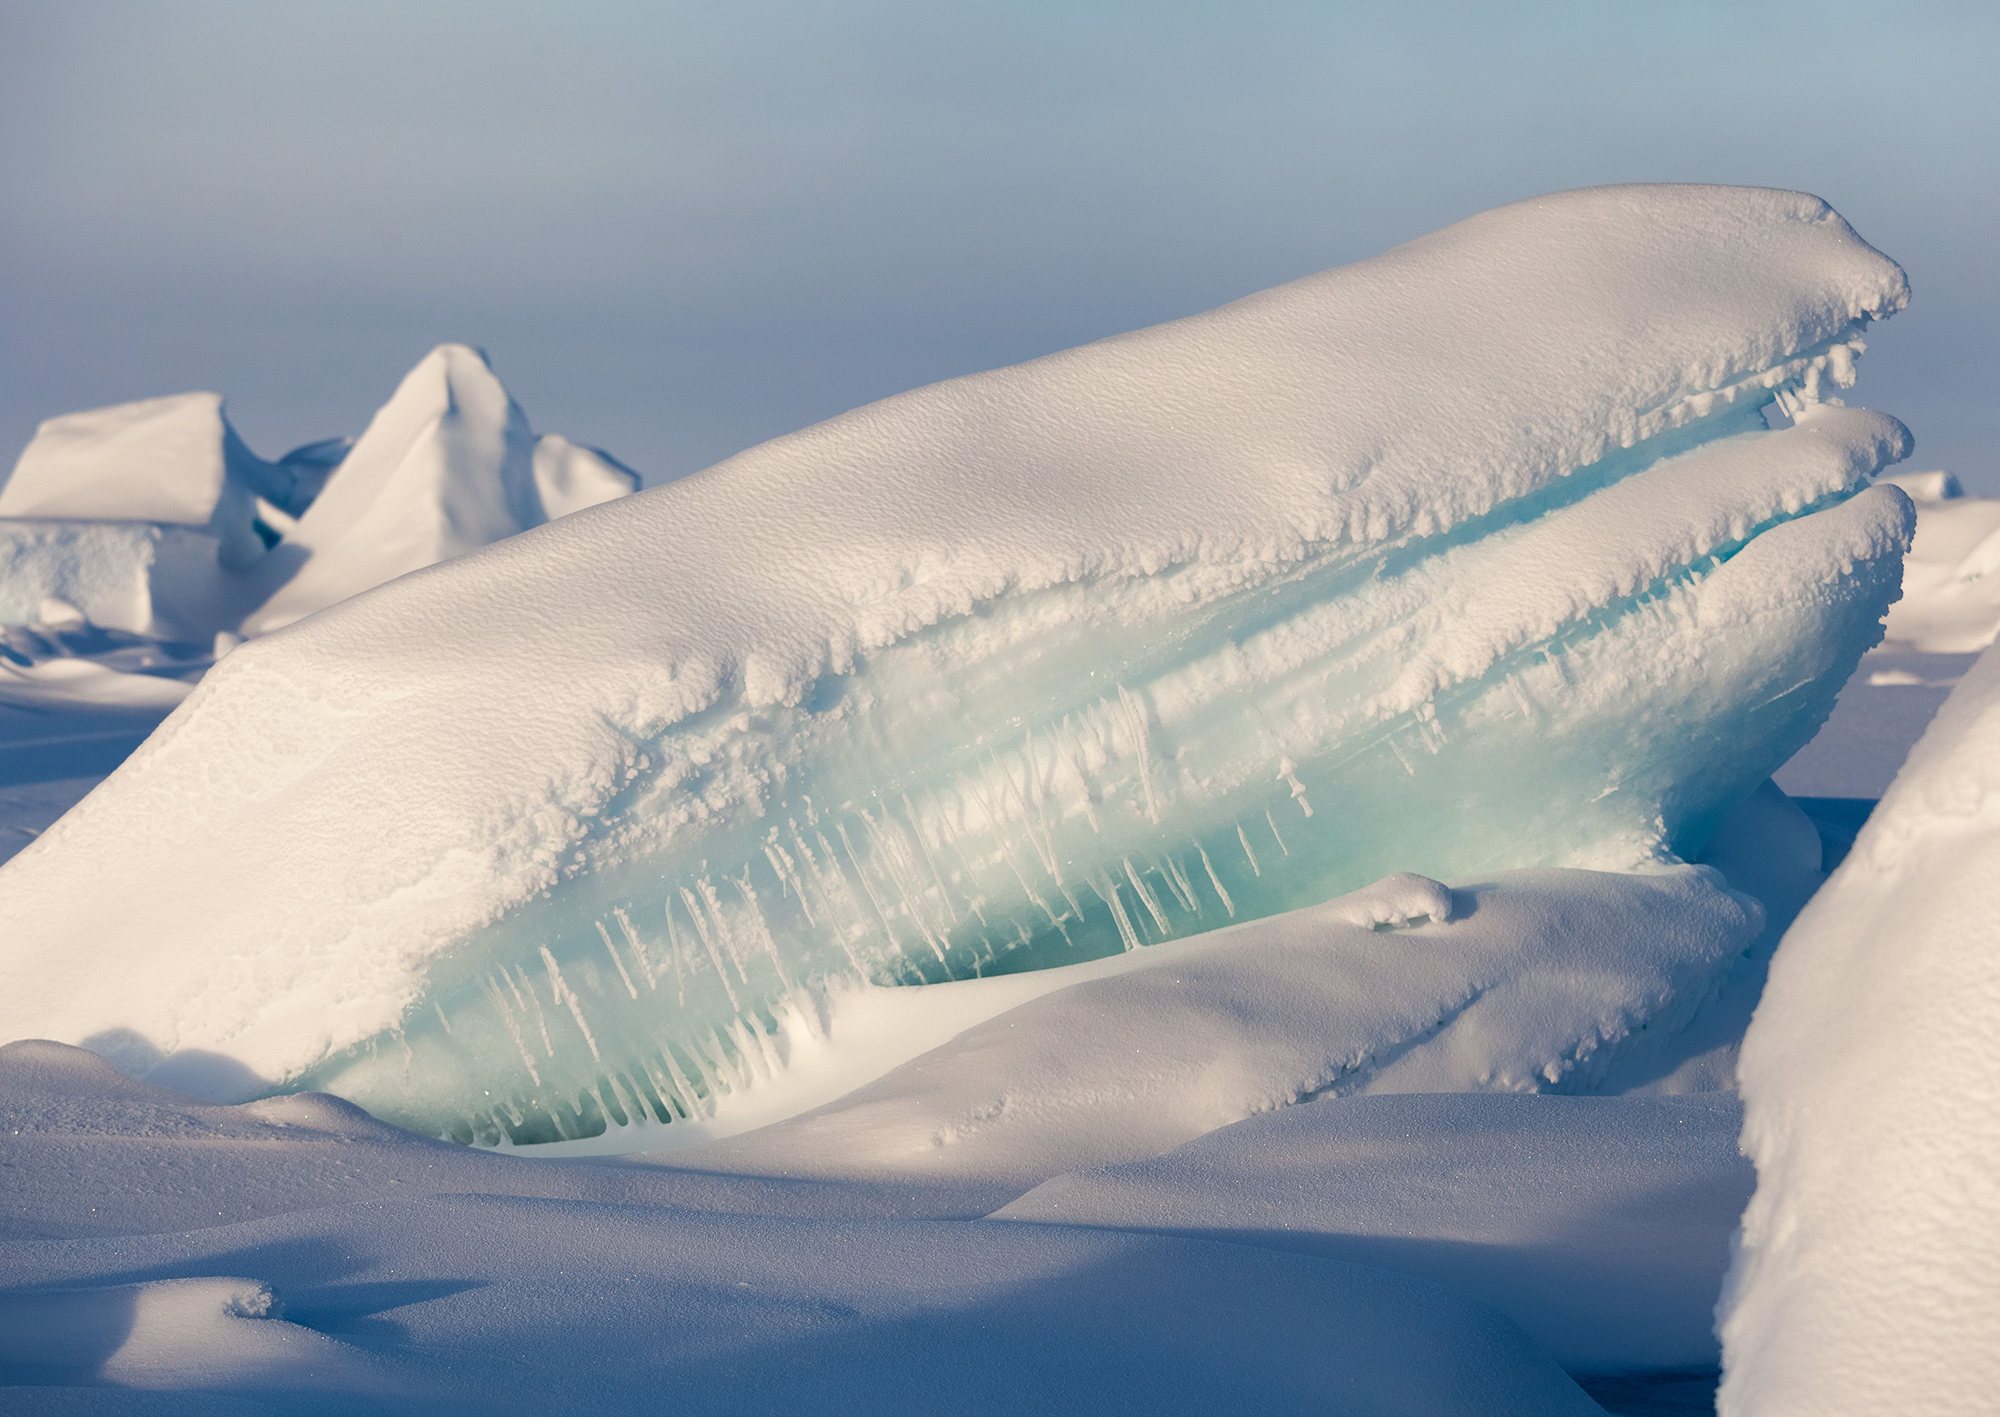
1869,1273
297,1256
1472,556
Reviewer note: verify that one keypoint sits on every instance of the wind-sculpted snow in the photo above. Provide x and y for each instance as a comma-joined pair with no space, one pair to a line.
1476,555
1867,1278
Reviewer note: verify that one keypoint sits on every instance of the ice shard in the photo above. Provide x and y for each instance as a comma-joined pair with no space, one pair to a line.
1476,555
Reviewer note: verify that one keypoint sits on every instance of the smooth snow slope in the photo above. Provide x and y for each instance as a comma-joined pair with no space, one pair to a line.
1466,557
1869,1275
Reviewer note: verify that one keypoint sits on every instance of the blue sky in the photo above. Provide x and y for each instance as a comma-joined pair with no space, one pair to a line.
679,229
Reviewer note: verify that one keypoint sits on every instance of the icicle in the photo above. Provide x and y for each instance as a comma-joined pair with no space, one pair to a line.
1146,897
1255,869
1135,715
637,946
566,995
610,949
1108,893
714,955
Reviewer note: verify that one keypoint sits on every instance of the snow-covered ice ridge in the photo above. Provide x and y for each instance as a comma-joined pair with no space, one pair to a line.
1475,555
154,518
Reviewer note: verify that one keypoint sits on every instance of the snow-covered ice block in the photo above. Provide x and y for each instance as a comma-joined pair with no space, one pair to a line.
1601,1225
149,578
104,569
175,461
1869,1273
448,465
1934,486
1472,556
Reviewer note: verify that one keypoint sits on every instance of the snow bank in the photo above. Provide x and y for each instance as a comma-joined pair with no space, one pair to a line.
1204,622
1869,1274
1601,1225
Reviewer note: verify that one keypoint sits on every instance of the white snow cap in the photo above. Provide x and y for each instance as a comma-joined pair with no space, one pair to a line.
1868,1278
445,466
1237,572
448,465
171,460
157,460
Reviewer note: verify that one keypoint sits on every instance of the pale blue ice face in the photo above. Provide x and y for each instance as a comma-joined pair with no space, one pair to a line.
1110,764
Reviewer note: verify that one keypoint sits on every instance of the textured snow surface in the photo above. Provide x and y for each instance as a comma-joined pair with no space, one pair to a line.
1601,1225
1869,1277
1472,556
156,579
301,1257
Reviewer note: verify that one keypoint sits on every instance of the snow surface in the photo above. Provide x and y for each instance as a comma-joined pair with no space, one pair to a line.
335,1265
1600,1225
1270,602
1869,1273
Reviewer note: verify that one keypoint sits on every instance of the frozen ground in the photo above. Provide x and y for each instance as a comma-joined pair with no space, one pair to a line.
1418,1148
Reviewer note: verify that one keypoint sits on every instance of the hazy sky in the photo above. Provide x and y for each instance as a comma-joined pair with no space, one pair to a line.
679,229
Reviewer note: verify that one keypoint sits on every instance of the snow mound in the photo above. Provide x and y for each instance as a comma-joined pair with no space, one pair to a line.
570,477
1194,625
1869,1272
1601,1225
1537,986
